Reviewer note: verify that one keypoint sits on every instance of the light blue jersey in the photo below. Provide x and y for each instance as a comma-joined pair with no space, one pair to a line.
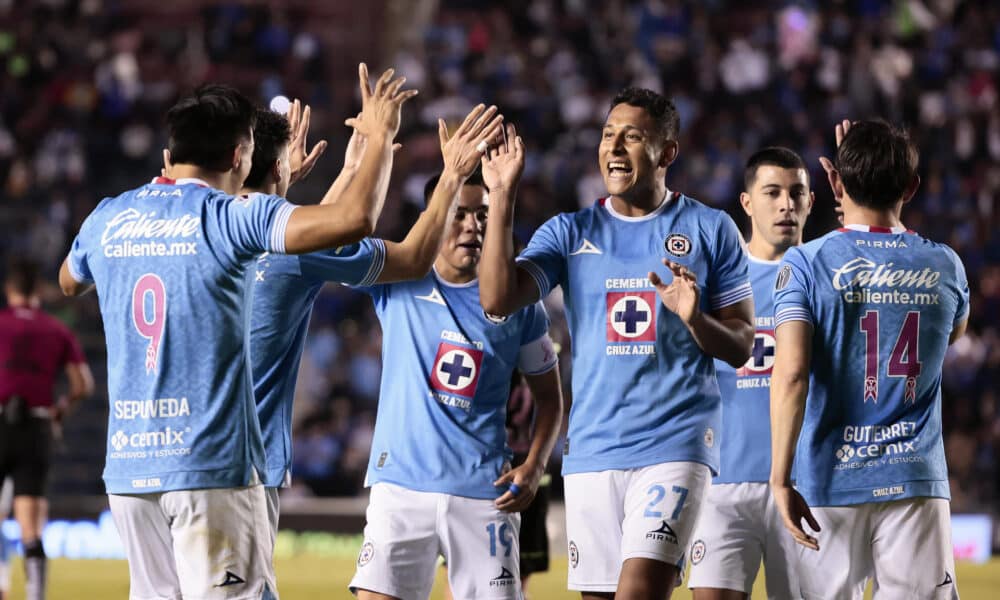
643,390
168,261
446,377
883,304
284,288
745,443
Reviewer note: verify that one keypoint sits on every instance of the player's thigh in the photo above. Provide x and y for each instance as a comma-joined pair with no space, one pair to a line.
842,565
144,530
662,504
912,532
273,511
594,512
399,553
729,537
781,554
482,548
222,542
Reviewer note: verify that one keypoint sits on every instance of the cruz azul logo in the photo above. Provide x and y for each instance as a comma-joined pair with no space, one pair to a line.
133,234
761,357
631,316
455,374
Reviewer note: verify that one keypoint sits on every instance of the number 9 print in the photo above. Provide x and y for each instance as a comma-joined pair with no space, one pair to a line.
150,324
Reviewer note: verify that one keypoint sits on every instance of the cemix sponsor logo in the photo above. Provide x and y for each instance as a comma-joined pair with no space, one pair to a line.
149,439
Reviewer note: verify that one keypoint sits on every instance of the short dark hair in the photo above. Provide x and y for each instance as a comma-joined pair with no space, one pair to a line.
877,162
271,133
206,126
475,179
22,275
775,156
658,106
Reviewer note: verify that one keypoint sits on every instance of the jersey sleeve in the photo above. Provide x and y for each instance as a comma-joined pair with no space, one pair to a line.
356,264
962,289
545,256
78,260
537,354
729,279
791,289
255,223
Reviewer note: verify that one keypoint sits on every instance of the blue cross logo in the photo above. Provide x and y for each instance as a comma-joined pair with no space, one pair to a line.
456,369
631,316
761,351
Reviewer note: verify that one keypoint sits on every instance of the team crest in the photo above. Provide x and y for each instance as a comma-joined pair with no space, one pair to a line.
366,554
631,316
761,357
677,244
495,319
697,552
709,437
574,554
456,370
784,276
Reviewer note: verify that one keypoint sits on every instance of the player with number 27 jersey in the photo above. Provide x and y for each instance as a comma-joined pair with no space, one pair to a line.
183,418
898,297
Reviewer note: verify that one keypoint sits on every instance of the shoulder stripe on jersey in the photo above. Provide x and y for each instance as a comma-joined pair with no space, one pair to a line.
378,263
732,296
874,229
792,313
279,225
541,279
76,274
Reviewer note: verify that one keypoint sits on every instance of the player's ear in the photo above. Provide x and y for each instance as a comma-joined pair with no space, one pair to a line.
669,153
276,171
745,203
237,156
911,189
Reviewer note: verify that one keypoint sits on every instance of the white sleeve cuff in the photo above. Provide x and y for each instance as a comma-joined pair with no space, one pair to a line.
278,227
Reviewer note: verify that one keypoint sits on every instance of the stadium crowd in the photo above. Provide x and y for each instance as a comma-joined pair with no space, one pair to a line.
84,88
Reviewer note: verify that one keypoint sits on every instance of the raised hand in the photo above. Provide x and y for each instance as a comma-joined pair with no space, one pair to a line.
301,160
831,172
504,163
681,297
380,107
793,508
462,150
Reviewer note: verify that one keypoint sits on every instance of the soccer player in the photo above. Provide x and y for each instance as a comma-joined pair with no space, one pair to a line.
739,524
34,349
641,447
185,457
284,286
863,316
440,470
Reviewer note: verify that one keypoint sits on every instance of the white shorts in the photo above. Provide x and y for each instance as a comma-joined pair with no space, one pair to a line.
612,516
739,526
205,544
904,545
273,511
407,530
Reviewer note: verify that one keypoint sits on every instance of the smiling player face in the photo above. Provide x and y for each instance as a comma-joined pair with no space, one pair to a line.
630,152
463,245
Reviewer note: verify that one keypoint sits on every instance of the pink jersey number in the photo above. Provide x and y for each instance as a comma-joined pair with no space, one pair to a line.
904,360
150,324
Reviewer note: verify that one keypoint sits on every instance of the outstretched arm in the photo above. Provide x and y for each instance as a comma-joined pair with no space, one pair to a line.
332,224
789,387
412,258
503,287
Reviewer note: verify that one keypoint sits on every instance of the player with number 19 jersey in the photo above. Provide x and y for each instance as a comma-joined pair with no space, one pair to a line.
442,406
882,303
644,392
169,261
